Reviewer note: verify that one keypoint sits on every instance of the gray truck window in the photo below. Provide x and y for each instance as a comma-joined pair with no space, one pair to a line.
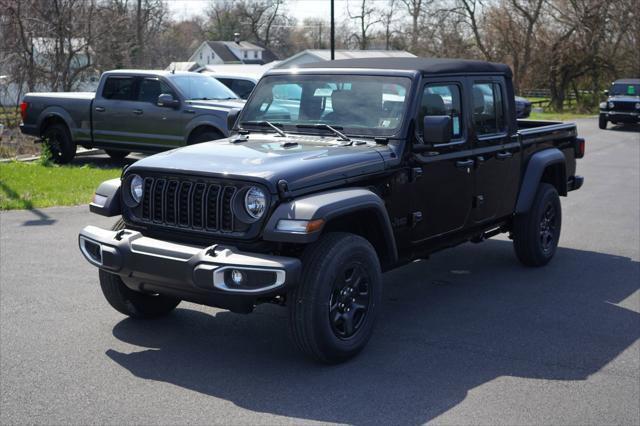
119,88
151,88
202,87
488,108
442,99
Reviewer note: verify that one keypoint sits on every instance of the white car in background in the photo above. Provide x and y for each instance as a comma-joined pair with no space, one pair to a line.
241,79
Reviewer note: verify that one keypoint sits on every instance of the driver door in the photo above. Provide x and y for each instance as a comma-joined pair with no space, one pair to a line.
442,176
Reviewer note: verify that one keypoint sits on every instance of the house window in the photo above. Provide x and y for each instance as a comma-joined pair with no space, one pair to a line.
255,54
246,55
200,54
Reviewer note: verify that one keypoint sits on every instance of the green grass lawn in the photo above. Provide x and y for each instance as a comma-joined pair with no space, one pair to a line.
33,185
559,116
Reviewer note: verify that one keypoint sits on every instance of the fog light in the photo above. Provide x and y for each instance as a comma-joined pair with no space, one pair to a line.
237,277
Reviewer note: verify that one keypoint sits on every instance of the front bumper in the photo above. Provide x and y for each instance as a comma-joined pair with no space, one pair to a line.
622,116
198,274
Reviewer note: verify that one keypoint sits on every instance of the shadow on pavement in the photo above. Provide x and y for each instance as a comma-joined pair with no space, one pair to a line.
625,127
462,319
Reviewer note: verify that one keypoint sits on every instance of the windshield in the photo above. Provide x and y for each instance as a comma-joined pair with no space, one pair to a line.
625,90
202,87
366,105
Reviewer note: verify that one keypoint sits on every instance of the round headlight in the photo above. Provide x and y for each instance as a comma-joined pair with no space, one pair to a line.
610,104
136,188
638,105
603,105
255,202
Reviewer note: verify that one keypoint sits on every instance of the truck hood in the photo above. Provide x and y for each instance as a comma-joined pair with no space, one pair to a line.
227,104
624,98
305,161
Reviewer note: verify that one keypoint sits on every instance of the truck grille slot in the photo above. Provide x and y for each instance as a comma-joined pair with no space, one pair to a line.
200,206
624,106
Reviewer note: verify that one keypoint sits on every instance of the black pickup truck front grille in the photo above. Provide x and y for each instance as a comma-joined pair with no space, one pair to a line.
187,204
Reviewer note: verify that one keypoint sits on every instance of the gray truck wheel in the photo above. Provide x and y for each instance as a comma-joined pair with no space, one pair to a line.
333,309
537,232
205,136
133,303
59,142
117,155
602,121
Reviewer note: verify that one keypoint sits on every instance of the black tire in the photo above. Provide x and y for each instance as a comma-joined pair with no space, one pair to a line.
205,136
536,233
130,302
602,122
58,140
328,322
117,155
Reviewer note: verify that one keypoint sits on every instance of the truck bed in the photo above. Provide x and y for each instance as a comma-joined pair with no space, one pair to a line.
74,106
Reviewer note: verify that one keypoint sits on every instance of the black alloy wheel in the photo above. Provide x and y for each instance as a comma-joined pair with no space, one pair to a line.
349,302
548,228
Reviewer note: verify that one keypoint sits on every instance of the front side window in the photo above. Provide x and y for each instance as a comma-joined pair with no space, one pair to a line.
488,109
119,88
367,105
151,88
442,99
202,87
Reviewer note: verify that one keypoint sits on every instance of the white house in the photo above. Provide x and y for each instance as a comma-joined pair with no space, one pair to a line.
317,55
231,52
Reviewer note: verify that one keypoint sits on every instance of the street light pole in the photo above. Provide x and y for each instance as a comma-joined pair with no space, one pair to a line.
333,32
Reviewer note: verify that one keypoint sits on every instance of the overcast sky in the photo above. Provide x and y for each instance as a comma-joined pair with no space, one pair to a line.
299,9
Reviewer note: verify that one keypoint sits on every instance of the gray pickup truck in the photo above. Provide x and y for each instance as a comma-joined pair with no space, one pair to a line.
132,110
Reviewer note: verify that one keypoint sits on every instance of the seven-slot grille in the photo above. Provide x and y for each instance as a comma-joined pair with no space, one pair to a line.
624,106
186,204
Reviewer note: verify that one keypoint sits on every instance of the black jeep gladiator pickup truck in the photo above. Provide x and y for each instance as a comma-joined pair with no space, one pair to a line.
335,172
132,110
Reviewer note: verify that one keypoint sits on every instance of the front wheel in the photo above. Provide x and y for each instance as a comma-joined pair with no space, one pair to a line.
333,309
130,302
536,233
117,155
602,122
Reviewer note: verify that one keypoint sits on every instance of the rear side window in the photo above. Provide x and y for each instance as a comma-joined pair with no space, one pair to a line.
119,88
243,88
488,109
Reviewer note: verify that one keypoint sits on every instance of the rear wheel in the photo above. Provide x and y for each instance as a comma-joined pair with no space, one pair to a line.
58,141
537,232
333,310
117,155
602,122
130,302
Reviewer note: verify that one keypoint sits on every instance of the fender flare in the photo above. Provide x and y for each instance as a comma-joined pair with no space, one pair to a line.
331,205
533,174
55,111
218,123
107,199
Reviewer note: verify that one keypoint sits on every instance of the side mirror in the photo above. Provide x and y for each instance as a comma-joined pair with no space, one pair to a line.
606,93
167,101
232,117
437,129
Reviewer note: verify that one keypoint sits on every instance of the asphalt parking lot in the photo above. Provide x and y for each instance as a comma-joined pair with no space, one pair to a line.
468,337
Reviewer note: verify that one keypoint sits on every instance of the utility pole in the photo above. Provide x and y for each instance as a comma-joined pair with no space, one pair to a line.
333,32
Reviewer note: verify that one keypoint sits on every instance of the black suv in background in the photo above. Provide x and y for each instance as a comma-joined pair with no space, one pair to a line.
622,104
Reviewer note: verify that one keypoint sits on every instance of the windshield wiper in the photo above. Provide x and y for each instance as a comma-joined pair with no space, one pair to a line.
266,123
335,131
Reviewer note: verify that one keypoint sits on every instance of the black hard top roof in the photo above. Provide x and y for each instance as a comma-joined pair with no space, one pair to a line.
627,81
425,65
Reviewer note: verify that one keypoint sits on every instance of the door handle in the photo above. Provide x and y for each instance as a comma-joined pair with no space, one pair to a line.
463,164
504,155
137,111
100,109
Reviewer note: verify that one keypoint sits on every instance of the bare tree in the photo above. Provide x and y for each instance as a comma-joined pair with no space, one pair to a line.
366,17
